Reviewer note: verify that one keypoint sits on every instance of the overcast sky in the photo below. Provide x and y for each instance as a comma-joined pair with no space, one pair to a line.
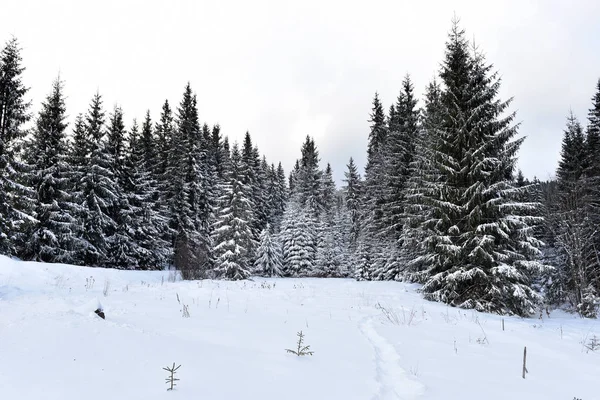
287,69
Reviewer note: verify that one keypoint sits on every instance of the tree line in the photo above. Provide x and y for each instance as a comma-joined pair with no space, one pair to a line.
440,201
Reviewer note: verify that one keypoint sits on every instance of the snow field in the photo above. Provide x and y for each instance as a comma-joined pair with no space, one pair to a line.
372,340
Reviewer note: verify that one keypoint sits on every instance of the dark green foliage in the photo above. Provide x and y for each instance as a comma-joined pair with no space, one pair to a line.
301,350
15,195
52,231
475,237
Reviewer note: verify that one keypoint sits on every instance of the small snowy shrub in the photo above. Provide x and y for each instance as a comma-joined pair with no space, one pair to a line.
301,350
593,344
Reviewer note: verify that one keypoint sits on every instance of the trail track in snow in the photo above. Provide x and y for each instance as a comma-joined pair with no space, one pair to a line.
392,380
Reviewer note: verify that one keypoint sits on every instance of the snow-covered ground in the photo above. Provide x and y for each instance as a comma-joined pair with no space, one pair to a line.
53,346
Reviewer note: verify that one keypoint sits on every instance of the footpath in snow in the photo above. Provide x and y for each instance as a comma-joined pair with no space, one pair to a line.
372,341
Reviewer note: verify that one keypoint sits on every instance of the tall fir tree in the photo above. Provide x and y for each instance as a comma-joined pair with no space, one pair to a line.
478,251
308,179
232,233
298,234
575,279
268,255
353,195
189,206
99,192
374,193
121,246
398,154
15,196
53,229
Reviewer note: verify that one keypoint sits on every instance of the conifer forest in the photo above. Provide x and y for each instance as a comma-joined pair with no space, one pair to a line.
440,201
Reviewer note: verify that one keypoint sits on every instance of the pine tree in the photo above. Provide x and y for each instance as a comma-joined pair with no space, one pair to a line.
232,234
327,188
479,251
14,195
399,152
363,262
49,240
250,179
190,206
375,171
121,246
353,196
151,251
78,155
308,179
298,241
164,136
268,255
99,191
280,199
424,179
574,223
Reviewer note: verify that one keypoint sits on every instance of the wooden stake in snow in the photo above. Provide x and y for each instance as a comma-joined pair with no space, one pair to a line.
502,324
525,362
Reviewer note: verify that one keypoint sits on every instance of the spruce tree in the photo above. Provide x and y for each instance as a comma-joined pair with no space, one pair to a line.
121,246
52,231
189,207
574,224
308,179
15,196
424,178
478,251
375,170
399,152
353,196
327,189
151,251
268,255
99,191
298,241
232,234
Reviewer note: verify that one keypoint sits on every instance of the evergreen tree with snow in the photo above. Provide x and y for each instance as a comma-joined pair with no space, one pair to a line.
353,195
15,196
121,247
398,154
268,255
363,261
250,176
52,230
99,189
150,250
327,188
573,280
424,178
308,179
375,171
298,242
189,206
478,251
232,234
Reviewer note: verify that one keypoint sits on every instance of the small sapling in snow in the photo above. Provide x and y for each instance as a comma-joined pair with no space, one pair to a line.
171,379
593,344
301,350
